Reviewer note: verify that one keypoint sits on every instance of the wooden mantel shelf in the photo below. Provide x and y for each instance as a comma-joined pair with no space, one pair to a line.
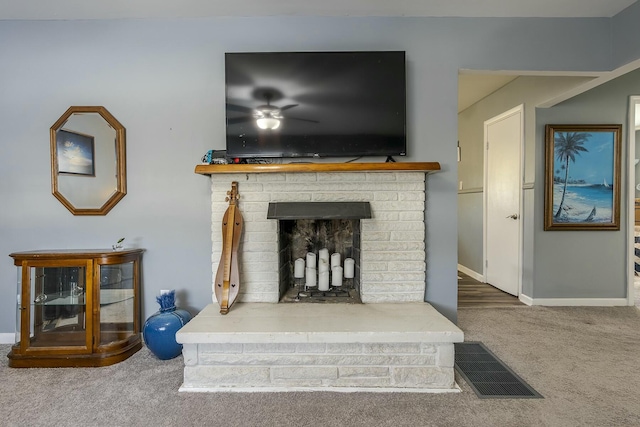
427,167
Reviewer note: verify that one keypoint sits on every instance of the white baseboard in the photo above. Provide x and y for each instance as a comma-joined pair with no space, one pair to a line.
576,302
525,299
7,338
479,277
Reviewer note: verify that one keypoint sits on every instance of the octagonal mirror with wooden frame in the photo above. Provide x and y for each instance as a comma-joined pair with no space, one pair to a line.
88,164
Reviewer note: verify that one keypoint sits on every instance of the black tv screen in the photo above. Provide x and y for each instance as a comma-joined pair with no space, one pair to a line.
315,104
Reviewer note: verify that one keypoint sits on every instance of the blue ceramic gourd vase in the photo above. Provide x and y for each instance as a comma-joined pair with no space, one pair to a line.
160,329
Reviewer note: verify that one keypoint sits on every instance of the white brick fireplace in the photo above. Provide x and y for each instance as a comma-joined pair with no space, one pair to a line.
393,252
393,341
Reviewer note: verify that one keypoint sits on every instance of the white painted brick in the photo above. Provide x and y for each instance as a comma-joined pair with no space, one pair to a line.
304,372
251,246
398,198
377,236
291,197
229,177
344,348
429,377
311,348
372,287
288,383
392,256
391,246
244,187
362,382
265,297
445,358
260,226
302,177
255,207
380,177
399,186
412,226
256,287
411,196
418,276
382,216
249,197
428,348
250,276
291,187
407,266
411,176
369,298
412,216
341,177
398,206
220,348
385,196
250,257
259,236
363,371
407,236
269,348
373,266
343,197
270,177
391,348
303,359
190,354
226,376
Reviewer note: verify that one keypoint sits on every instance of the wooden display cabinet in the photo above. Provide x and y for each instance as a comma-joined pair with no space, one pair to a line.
77,308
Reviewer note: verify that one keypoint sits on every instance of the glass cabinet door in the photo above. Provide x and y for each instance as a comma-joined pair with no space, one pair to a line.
58,312
117,302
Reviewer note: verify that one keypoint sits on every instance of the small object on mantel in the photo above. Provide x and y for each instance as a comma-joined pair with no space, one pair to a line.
227,284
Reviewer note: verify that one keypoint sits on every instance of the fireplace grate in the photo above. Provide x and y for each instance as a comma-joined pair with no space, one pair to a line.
331,293
302,294
487,375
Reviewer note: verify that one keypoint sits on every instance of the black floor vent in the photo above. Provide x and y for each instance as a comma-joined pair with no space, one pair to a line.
487,375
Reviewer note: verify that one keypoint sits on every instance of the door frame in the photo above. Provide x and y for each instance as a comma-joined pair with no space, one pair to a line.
634,103
519,109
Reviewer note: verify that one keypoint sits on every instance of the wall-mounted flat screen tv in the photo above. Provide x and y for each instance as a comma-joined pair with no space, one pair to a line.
315,104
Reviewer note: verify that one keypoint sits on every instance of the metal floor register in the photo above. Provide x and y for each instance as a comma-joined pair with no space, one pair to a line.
487,375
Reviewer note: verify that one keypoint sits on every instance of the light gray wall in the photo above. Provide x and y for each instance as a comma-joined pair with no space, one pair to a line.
584,264
626,33
528,91
163,80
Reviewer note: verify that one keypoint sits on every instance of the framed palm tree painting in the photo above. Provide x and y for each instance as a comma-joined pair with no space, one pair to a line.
582,177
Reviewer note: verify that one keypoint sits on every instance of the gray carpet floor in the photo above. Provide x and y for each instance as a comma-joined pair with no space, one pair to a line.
584,361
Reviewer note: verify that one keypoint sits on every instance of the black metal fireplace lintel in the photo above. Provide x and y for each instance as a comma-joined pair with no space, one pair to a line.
318,210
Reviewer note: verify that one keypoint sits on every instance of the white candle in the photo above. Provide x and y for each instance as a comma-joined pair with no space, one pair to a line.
349,268
323,281
323,265
311,260
324,254
298,270
310,277
335,260
336,276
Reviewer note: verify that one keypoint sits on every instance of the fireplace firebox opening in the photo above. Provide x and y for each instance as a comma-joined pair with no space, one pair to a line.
319,250
309,252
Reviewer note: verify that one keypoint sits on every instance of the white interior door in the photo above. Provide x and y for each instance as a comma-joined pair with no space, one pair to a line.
503,172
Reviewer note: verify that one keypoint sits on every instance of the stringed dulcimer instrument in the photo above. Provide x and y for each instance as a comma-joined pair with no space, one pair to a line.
227,282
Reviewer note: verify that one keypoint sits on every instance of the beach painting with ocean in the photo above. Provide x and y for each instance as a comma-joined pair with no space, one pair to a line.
582,177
